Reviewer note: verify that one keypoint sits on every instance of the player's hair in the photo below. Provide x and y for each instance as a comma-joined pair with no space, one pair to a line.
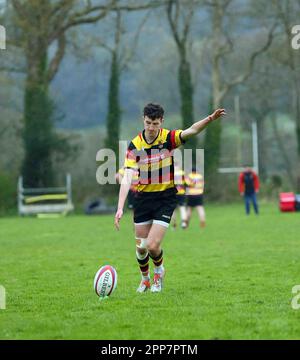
154,111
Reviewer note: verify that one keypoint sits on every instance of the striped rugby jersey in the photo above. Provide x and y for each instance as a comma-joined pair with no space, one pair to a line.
179,179
154,161
195,184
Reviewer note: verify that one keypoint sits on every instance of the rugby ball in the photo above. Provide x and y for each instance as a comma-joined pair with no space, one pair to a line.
105,281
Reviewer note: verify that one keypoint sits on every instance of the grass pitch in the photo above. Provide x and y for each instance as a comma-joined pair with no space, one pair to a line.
232,280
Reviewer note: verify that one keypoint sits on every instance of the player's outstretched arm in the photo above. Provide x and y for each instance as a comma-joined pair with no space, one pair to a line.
124,189
198,126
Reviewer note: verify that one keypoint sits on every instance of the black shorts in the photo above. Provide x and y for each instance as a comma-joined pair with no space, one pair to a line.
131,199
194,200
180,200
155,207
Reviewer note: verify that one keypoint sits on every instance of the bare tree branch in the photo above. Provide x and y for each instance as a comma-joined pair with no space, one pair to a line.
227,48
92,14
102,44
60,6
187,24
174,21
55,62
130,54
112,5
243,77
20,9
12,69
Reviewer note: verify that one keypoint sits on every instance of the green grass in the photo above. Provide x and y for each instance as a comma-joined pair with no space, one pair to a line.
232,280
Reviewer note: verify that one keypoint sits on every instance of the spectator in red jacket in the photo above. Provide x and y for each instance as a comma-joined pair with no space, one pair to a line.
249,187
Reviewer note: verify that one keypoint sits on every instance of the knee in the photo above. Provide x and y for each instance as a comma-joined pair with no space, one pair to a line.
141,243
141,252
152,246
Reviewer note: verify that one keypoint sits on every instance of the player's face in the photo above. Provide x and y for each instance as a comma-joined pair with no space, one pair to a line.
152,126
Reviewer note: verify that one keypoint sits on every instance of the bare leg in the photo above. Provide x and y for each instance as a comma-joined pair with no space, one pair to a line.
141,232
201,213
188,214
173,219
155,238
183,215
142,255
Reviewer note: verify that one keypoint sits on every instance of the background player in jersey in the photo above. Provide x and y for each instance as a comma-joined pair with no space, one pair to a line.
249,187
179,180
194,194
151,152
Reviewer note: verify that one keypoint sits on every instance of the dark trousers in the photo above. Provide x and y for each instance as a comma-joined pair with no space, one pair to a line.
248,199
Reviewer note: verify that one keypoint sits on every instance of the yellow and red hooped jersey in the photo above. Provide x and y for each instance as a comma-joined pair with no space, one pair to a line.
179,180
195,184
154,161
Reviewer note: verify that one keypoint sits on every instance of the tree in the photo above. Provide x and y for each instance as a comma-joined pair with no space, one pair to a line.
221,46
264,100
121,55
113,119
180,20
44,25
287,13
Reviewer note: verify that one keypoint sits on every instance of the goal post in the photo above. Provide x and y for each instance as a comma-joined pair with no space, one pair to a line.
254,143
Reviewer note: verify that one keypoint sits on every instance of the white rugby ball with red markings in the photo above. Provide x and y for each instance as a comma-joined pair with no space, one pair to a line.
105,281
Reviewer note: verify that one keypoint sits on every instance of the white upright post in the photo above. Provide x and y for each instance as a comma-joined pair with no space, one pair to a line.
255,147
20,194
69,189
238,124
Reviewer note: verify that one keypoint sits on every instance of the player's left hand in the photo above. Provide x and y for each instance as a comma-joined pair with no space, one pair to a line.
118,216
218,113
